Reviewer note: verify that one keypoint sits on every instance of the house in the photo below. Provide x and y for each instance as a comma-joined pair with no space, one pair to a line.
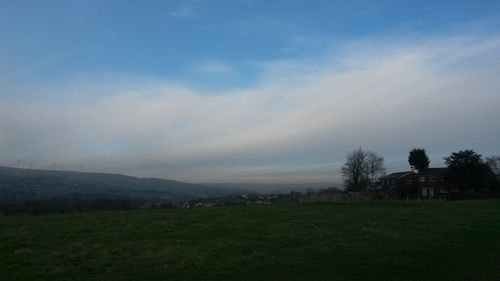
399,185
427,184
431,183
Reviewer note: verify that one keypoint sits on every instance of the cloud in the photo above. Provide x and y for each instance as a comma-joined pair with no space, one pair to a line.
295,125
215,67
54,58
187,10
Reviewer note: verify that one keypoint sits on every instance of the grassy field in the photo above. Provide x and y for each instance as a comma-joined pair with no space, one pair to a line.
362,241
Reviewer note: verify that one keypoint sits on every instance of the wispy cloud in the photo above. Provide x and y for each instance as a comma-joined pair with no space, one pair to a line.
214,67
54,58
187,10
301,119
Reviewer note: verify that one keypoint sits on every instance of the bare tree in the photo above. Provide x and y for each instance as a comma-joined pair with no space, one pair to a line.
494,163
376,167
355,170
361,169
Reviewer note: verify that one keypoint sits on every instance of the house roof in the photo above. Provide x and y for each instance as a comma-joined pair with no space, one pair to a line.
396,175
427,172
433,172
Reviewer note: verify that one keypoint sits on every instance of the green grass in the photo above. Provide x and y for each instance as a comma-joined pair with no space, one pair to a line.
362,241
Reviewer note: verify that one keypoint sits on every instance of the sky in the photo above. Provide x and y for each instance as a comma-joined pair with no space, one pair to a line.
245,90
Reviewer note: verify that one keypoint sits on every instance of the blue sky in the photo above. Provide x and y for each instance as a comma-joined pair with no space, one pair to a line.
220,90
55,40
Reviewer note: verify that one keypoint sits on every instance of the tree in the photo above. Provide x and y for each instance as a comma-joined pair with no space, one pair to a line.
355,170
376,167
418,159
468,171
494,163
361,168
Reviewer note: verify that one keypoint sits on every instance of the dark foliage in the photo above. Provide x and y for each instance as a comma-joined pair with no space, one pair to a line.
468,172
418,159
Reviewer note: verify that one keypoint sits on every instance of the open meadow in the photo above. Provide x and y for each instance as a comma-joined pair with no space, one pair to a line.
352,241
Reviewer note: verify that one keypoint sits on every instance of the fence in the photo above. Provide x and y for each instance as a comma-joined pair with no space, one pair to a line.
340,197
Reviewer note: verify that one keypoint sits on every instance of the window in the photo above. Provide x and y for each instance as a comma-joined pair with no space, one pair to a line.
432,179
430,191
422,178
427,192
408,182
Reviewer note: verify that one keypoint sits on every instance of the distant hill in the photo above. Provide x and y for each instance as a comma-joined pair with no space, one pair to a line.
28,183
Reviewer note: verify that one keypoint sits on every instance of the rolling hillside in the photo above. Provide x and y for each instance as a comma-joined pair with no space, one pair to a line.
25,183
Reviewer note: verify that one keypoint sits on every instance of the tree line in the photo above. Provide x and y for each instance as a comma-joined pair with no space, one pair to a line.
466,169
